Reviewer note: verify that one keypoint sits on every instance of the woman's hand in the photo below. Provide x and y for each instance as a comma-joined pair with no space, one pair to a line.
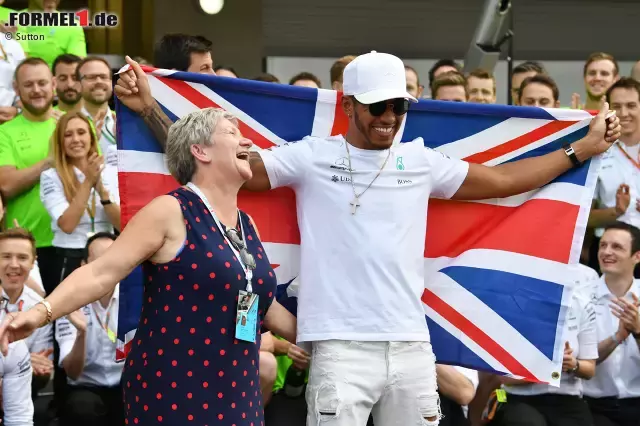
17,326
94,168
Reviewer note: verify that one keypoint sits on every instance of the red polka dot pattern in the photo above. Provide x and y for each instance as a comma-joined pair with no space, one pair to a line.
187,367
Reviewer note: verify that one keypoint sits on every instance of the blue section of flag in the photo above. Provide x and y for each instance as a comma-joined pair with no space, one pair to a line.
447,347
528,304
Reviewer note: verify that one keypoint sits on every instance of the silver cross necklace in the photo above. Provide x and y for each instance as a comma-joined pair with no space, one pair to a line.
355,203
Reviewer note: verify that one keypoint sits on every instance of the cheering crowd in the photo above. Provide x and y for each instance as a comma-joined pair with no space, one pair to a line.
61,214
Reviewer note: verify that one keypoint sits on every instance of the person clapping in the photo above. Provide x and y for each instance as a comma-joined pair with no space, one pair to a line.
80,192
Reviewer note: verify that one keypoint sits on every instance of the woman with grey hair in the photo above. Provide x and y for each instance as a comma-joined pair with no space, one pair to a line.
208,287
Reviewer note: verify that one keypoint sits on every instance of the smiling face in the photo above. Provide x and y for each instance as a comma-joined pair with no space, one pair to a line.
372,132
16,262
35,87
614,253
95,80
229,151
599,76
77,139
626,103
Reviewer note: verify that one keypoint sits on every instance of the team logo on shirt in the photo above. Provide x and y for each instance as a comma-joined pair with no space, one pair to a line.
341,163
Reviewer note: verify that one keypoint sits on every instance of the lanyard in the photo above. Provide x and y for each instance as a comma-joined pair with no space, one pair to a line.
626,154
91,211
247,271
105,325
6,305
106,131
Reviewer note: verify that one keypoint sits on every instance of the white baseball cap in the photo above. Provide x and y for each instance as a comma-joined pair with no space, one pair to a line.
375,77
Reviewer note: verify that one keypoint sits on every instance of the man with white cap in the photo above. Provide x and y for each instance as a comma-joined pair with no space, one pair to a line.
361,203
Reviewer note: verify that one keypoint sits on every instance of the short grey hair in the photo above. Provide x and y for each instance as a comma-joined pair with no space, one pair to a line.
194,128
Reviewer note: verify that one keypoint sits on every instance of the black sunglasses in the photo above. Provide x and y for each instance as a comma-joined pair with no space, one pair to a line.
246,257
399,107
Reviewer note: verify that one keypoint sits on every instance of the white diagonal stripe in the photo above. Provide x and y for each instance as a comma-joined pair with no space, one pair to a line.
491,137
325,113
241,115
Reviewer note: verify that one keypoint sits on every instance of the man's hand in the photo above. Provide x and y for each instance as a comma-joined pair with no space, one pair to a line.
41,364
604,130
98,122
623,199
569,362
301,359
627,312
7,113
79,320
132,88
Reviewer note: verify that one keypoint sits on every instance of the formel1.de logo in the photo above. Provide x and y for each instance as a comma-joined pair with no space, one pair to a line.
80,18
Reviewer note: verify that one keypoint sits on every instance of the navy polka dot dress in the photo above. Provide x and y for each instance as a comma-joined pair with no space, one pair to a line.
185,366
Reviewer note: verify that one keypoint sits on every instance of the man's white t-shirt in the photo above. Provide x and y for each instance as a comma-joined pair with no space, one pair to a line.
362,276
16,375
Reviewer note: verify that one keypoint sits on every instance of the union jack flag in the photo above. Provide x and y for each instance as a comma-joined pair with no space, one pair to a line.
498,272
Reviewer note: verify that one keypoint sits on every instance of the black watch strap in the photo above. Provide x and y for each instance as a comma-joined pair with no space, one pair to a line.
105,202
572,155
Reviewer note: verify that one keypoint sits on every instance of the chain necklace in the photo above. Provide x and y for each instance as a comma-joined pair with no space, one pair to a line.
355,203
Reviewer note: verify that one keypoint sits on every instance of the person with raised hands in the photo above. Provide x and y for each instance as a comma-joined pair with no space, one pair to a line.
80,192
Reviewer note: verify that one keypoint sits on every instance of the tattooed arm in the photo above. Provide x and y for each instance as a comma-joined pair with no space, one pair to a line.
158,123
133,90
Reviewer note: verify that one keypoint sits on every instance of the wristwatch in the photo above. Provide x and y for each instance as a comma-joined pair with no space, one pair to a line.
106,202
576,368
568,149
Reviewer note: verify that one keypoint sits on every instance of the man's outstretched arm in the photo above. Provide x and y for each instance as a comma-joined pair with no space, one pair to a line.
259,182
515,178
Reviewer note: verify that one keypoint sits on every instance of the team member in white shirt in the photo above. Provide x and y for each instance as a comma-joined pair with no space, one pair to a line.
541,405
613,394
16,375
87,342
94,74
79,192
17,256
617,195
361,205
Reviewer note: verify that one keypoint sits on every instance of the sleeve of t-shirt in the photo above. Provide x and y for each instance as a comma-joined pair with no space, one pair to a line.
65,336
447,174
588,337
52,194
7,157
286,164
77,43
16,387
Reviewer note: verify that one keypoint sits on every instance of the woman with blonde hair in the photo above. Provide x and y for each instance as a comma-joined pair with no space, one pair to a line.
80,192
